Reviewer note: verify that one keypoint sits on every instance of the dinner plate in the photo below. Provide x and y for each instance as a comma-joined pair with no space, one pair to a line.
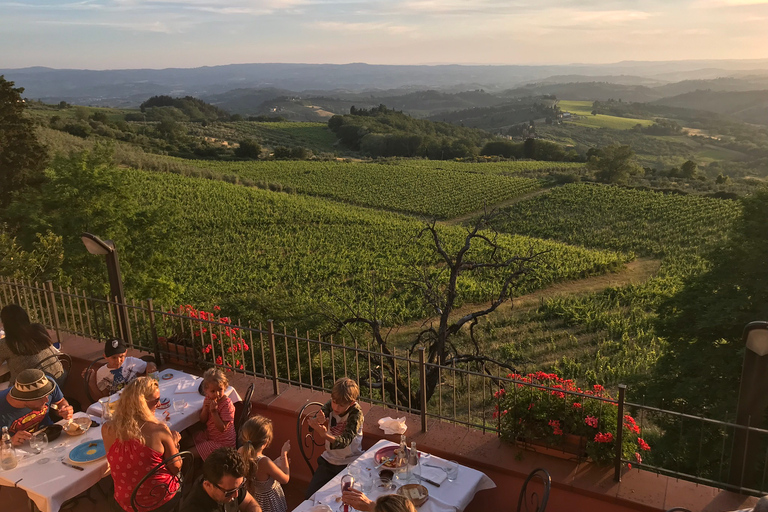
88,451
167,376
388,452
164,403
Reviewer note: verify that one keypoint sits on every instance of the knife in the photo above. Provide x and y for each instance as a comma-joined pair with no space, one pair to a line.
429,481
79,468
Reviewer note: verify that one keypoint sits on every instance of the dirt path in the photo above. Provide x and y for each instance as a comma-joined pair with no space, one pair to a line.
517,199
633,272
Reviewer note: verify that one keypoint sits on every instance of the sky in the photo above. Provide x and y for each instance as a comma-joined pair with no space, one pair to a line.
117,34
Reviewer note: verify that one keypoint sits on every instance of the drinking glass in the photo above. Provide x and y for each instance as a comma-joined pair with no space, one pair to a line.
362,480
452,470
38,441
347,481
106,410
179,405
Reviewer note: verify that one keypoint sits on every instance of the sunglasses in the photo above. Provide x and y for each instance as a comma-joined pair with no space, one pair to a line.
153,402
229,493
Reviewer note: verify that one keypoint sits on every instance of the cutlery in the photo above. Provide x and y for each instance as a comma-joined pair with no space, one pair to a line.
434,466
384,461
72,466
429,481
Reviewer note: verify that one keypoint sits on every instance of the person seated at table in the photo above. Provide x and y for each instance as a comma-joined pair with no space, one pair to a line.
221,485
217,414
136,442
120,369
264,477
27,405
386,503
343,434
26,345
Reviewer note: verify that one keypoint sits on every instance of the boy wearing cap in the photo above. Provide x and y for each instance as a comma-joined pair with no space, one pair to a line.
120,369
25,406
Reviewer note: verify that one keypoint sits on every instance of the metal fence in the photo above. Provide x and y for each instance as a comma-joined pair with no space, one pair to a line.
684,445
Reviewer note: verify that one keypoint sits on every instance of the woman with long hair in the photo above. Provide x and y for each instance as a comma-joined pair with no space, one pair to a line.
136,442
26,345
385,503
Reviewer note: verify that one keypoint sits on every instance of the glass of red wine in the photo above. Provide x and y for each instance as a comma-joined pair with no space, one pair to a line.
347,481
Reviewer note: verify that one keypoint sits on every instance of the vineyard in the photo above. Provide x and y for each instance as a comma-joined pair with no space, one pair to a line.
427,188
230,243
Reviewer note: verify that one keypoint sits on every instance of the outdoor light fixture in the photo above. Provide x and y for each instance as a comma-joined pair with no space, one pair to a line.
96,245
752,404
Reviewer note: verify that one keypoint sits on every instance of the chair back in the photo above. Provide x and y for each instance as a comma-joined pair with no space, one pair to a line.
153,497
245,411
532,501
305,434
48,365
89,379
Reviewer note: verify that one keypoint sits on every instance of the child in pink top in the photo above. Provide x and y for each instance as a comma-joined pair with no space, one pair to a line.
218,415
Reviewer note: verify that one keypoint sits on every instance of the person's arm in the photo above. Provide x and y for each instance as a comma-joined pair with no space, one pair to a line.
214,414
205,411
249,504
282,476
358,500
64,409
151,368
20,437
107,435
283,462
170,440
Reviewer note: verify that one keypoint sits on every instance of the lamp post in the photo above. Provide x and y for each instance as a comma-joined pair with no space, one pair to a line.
96,245
752,404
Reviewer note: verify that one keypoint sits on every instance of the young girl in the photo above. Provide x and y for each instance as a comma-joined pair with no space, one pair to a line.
264,477
218,415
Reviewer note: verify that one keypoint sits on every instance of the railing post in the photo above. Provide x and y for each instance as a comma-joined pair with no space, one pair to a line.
271,330
423,390
153,332
619,433
54,310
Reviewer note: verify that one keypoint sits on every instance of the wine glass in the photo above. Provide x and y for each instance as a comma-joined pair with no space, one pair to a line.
38,441
347,481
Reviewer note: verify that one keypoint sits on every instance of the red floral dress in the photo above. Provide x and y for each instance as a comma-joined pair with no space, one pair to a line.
211,438
130,461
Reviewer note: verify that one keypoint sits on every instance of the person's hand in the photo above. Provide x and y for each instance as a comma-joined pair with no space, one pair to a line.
65,410
357,500
213,407
151,368
317,420
20,437
285,449
176,437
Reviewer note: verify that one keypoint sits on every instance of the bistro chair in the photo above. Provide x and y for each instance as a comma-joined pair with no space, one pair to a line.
243,412
159,492
678,509
305,434
48,363
533,502
89,379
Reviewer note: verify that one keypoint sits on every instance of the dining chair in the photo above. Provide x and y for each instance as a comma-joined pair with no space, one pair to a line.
48,363
243,412
535,502
678,509
89,379
305,434
159,492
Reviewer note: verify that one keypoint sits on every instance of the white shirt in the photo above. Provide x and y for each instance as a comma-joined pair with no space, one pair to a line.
112,380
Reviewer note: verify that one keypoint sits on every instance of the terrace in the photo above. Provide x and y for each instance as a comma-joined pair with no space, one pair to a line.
457,423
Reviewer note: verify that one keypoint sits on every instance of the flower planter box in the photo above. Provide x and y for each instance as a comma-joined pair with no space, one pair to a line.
178,353
572,447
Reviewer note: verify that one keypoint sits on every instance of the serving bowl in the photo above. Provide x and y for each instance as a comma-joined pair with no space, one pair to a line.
78,426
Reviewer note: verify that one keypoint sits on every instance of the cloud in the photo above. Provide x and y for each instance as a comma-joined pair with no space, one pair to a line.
336,26
152,26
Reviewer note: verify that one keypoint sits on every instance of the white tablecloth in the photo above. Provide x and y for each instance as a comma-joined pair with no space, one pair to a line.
51,484
181,386
449,497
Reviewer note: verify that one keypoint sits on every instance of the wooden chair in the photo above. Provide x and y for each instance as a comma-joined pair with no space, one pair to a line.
48,365
305,434
534,502
243,412
89,379
159,492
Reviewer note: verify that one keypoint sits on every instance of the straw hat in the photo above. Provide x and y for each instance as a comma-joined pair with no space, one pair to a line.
31,385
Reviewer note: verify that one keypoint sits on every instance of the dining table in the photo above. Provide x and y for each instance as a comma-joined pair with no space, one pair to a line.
180,401
44,476
431,472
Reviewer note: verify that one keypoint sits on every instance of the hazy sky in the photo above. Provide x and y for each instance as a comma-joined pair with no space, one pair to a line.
109,34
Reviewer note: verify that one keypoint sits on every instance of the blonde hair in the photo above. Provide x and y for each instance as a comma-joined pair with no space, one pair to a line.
394,503
215,376
345,391
132,410
255,434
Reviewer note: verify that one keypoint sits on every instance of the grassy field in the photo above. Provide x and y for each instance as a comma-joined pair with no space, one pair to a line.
583,109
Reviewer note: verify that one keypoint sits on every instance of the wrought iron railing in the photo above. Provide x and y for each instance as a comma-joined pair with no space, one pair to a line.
684,445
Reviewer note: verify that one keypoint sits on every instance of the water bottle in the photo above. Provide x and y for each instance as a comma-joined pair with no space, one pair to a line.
8,459
413,462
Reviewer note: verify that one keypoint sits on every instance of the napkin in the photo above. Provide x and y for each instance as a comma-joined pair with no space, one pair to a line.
434,474
187,386
393,426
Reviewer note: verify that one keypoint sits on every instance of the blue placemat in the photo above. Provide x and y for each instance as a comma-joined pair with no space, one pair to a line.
88,451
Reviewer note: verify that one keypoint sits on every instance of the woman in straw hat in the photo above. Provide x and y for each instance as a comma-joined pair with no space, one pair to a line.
136,442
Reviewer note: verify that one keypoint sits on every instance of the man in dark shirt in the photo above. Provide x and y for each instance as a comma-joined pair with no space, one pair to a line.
222,486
